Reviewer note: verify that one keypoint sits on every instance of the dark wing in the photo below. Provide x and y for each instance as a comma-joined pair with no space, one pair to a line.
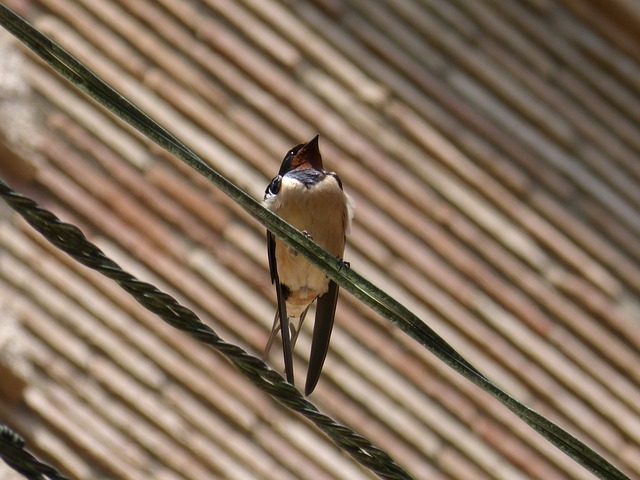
269,195
281,313
271,252
325,313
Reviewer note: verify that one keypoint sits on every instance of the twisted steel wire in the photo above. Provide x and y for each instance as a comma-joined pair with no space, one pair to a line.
12,451
71,240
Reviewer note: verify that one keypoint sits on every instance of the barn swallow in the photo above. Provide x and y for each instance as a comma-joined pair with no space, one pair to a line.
311,199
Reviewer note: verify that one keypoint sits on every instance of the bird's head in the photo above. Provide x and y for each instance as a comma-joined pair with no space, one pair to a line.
302,156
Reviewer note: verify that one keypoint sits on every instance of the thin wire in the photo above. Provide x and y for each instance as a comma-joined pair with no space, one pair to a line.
70,68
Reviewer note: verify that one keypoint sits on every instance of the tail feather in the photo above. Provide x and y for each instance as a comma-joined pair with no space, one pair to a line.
325,313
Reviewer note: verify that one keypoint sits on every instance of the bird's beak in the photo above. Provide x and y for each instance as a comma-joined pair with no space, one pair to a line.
311,153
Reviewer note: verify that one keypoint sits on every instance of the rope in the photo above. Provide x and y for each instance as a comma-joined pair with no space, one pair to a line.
72,241
13,453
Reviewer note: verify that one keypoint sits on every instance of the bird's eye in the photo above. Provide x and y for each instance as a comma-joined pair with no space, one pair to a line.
274,187
292,153
288,159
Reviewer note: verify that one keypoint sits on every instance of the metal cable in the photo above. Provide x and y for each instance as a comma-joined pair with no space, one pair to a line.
72,241
13,453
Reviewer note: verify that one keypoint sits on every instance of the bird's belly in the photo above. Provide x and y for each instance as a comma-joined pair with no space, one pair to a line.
321,211
300,276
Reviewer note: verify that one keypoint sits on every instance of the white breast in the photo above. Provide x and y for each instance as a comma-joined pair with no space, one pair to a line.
324,211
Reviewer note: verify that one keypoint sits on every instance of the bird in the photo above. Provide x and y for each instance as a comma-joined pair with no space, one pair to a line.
312,200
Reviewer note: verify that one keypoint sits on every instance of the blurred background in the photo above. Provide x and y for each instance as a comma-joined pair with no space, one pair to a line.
492,151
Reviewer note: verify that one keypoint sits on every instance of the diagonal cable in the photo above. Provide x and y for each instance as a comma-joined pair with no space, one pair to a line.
12,451
72,241
83,78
